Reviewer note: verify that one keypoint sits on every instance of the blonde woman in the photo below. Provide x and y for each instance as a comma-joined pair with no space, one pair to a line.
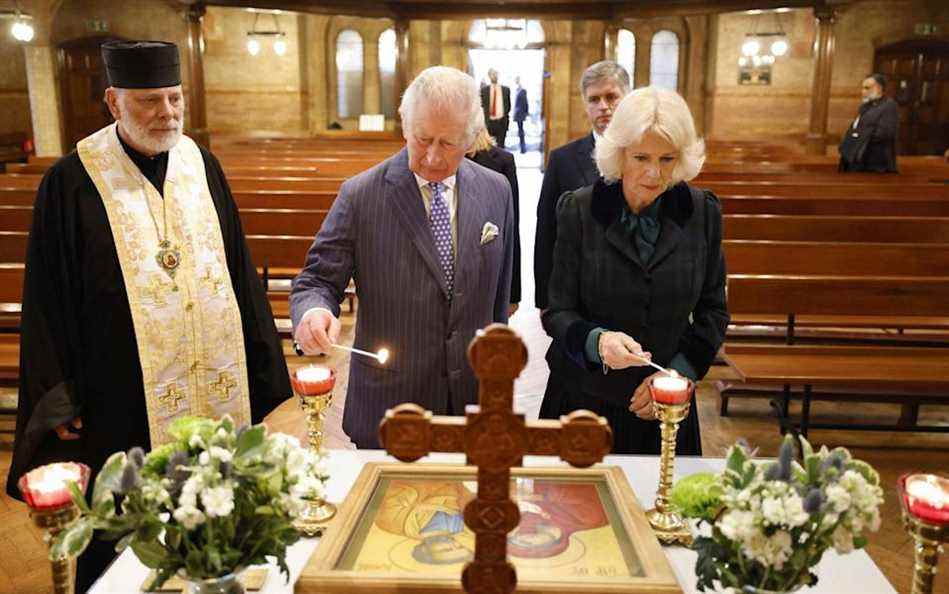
638,274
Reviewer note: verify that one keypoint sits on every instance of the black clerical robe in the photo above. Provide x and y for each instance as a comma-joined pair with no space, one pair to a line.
78,353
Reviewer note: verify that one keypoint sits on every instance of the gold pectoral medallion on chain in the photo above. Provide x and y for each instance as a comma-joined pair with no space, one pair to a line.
168,257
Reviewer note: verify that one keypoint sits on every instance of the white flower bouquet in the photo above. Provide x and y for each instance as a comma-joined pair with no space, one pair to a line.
772,521
210,503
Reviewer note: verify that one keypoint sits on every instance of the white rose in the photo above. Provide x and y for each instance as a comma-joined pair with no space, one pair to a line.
737,525
195,441
218,501
204,458
838,497
189,516
221,454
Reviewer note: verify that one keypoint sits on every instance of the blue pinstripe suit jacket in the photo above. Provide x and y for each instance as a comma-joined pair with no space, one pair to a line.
377,232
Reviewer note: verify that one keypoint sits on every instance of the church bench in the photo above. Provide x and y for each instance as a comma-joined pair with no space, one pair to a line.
810,178
854,191
281,221
814,205
281,199
830,258
833,300
9,360
879,229
899,375
241,182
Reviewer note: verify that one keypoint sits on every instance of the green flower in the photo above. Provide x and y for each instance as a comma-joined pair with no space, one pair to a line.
183,428
157,459
697,496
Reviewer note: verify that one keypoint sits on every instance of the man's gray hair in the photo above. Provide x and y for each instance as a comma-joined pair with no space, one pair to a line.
446,88
601,72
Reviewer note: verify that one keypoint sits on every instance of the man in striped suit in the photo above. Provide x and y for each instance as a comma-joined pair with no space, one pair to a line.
428,237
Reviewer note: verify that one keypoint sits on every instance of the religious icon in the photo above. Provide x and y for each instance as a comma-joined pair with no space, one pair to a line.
403,526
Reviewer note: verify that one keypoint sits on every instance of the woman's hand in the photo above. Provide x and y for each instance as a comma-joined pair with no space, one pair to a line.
641,403
619,351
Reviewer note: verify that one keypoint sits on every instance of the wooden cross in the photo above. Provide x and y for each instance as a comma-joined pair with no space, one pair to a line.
494,439
223,386
170,398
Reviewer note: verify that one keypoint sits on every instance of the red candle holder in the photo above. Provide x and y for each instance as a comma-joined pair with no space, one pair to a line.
46,488
926,518
309,386
671,389
46,491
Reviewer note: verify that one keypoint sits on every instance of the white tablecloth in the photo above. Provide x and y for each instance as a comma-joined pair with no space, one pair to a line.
855,572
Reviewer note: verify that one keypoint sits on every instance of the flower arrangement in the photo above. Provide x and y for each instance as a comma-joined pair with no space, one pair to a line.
213,501
772,521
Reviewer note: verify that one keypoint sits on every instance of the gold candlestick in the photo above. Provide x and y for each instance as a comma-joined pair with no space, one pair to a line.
53,522
929,537
47,493
315,399
669,526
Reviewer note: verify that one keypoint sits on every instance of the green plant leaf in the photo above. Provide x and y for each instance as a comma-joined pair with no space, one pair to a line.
107,482
250,440
72,541
150,553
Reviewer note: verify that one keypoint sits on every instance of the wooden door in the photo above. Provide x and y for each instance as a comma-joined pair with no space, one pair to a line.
918,72
82,84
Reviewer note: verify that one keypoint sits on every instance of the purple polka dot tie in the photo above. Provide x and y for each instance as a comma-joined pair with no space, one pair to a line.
441,233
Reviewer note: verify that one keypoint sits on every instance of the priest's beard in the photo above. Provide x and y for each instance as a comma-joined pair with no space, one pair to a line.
154,143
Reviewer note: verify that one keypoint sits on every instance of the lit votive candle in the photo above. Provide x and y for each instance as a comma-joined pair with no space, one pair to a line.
47,487
927,497
670,389
312,380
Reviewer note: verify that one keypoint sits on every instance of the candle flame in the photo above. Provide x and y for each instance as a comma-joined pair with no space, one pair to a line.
383,356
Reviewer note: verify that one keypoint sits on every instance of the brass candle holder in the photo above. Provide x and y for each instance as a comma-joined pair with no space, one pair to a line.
672,406
316,396
929,527
47,494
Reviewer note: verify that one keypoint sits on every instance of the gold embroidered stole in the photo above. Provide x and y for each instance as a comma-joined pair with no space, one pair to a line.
187,325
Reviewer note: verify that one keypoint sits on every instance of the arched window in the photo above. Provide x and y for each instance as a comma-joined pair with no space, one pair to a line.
388,53
664,61
626,52
349,74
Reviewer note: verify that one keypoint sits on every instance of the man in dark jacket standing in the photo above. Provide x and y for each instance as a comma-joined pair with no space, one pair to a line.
571,166
520,112
870,142
496,102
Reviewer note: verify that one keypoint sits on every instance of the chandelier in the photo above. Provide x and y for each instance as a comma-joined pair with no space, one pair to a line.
761,48
255,36
22,28
506,34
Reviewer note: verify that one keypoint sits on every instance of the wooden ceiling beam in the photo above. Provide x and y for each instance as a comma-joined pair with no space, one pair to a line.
540,9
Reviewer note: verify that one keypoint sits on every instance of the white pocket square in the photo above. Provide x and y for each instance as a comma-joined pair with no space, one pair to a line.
488,232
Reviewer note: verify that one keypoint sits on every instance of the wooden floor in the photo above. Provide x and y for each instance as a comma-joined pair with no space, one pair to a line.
24,569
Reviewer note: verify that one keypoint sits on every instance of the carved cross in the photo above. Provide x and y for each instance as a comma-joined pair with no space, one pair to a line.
223,386
494,439
170,398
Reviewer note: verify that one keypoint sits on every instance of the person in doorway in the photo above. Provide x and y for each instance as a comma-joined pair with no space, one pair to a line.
520,112
496,102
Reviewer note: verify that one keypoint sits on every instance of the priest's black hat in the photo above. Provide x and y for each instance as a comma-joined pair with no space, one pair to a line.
141,64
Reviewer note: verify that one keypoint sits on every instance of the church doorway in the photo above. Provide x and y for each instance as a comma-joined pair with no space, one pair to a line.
918,72
82,85
515,48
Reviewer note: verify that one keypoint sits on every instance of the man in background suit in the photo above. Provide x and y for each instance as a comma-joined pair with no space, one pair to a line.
520,112
496,101
869,144
571,166
428,237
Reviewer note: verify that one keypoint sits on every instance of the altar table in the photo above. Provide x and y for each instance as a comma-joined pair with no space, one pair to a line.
855,572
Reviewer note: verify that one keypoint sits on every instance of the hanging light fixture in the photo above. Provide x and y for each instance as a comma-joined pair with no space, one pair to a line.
751,47
253,43
22,27
775,42
779,47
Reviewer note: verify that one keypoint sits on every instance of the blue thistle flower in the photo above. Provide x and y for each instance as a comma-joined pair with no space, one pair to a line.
130,479
813,501
137,457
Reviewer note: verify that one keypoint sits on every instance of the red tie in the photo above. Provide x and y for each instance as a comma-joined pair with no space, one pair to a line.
494,100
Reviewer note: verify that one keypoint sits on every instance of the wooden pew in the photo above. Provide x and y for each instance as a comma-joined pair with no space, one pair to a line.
884,297
810,205
880,229
829,258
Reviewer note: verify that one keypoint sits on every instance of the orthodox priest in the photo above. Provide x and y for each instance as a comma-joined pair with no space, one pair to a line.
140,300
